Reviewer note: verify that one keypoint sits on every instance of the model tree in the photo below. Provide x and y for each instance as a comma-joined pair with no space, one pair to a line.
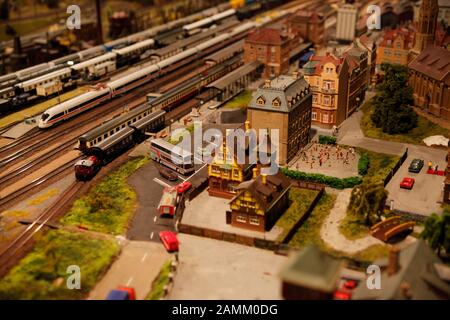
437,231
392,104
368,200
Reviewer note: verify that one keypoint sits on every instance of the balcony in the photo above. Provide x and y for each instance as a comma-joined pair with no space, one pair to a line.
328,90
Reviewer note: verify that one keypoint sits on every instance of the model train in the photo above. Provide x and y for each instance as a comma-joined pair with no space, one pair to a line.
107,147
20,88
120,86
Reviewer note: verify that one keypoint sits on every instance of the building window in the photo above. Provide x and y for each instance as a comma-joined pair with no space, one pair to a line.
314,116
261,101
241,218
254,220
276,102
326,100
215,169
315,98
325,118
235,173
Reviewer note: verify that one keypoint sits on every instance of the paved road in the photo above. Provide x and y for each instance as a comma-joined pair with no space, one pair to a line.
137,265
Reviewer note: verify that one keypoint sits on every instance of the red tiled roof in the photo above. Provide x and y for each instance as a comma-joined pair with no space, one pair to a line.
433,62
390,36
266,36
325,59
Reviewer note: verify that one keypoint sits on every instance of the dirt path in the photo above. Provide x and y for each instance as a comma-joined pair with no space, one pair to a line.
331,234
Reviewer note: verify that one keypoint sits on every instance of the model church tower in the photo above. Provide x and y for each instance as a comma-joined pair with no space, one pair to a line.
426,27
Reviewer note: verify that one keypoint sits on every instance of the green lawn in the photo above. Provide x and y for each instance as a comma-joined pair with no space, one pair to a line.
379,164
160,281
425,128
300,201
42,274
240,101
108,206
353,227
309,232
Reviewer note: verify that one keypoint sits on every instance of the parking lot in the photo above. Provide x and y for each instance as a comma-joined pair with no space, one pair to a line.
426,194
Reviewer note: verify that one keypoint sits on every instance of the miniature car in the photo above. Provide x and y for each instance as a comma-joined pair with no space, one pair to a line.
183,187
407,183
342,295
122,293
350,284
168,174
416,165
169,240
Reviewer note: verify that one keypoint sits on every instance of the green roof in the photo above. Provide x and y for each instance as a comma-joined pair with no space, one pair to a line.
313,269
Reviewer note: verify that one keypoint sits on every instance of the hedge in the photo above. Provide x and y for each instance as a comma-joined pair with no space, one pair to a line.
333,182
327,139
363,164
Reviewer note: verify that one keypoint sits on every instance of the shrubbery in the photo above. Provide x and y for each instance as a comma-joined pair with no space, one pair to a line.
333,182
327,139
363,164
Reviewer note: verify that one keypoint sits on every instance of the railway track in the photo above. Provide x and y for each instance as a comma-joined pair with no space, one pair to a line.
25,191
18,247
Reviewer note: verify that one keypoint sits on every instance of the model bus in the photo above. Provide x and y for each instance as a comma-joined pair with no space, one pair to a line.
171,156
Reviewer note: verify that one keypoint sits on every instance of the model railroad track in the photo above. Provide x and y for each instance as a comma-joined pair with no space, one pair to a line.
19,246
26,190
33,164
75,124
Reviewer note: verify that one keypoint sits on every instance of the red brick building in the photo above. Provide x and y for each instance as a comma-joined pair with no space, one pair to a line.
309,25
271,47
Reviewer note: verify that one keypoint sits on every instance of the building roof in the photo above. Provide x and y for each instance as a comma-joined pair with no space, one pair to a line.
416,270
390,36
315,64
312,269
281,94
266,36
434,62
266,194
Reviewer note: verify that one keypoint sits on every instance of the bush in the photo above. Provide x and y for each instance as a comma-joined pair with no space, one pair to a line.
327,139
363,164
333,182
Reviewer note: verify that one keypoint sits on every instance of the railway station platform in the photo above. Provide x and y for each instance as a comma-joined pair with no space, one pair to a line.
234,82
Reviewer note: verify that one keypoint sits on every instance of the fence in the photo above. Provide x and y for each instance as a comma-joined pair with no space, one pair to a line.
396,167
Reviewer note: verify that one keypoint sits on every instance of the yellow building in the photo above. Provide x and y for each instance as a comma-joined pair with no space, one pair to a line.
395,46
328,77
224,172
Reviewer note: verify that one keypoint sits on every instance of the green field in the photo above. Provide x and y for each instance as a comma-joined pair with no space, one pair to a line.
160,281
241,101
300,199
42,274
380,164
108,206
425,128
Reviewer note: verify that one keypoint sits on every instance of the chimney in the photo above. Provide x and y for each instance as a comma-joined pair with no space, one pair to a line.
267,83
393,263
247,125
264,178
255,173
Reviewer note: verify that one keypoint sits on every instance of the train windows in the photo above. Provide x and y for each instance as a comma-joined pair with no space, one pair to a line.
123,126
44,116
99,139
129,122
111,132
117,129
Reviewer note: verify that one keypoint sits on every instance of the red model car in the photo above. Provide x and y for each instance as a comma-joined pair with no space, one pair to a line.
169,240
183,187
342,295
122,293
350,284
407,183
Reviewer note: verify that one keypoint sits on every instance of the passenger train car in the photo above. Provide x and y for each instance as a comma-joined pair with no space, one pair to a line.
114,88
18,88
